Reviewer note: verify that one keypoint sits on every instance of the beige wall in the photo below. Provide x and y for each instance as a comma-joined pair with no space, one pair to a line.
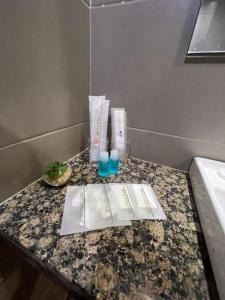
44,84
175,110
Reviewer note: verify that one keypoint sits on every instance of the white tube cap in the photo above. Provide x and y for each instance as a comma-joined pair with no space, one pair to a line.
114,155
104,156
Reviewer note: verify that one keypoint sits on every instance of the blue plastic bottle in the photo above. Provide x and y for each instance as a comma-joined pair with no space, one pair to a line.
114,162
103,164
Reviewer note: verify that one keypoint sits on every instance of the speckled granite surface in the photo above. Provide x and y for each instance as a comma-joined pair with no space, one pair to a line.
150,260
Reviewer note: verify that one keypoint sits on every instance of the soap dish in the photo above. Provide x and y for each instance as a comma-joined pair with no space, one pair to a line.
56,173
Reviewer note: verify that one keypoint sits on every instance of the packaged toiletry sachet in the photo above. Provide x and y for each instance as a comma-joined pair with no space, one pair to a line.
119,131
144,202
98,206
100,210
74,211
98,112
88,208
137,202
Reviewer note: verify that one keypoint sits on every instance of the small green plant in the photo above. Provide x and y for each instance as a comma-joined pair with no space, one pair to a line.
55,170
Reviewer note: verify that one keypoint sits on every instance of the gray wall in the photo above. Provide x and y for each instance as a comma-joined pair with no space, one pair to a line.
175,110
44,84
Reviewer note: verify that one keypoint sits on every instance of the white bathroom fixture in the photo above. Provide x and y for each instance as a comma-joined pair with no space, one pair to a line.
208,183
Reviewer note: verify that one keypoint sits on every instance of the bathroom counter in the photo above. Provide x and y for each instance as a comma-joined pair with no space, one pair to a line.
159,259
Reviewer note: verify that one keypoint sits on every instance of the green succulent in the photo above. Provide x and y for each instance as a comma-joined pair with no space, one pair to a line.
55,170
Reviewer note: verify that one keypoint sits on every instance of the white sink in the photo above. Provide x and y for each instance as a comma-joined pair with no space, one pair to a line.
208,183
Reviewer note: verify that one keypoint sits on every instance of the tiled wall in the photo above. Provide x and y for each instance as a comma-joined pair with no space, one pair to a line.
44,84
175,110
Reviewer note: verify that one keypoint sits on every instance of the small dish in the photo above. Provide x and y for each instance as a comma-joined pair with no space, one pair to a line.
56,173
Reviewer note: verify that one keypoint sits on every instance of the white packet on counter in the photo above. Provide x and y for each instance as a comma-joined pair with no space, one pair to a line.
143,206
73,220
119,131
113,200
136,202
157,211
139,202
97,210
100,212
88,208
144,202
122,202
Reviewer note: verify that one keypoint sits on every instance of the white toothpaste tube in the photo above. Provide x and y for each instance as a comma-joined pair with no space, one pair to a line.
98,109
119,131
94,105
104,125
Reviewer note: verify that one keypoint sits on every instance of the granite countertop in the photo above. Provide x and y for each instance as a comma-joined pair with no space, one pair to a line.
149,260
